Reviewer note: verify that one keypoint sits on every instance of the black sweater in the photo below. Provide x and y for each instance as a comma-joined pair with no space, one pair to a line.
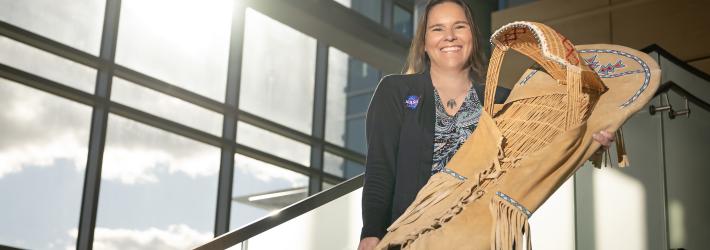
400,144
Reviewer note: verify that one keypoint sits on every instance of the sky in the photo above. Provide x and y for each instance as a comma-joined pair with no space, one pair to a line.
158,190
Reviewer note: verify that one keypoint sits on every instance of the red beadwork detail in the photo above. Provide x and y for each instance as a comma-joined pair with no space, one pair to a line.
570,55
512,35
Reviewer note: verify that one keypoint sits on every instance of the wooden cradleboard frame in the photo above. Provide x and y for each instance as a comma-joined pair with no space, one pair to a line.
523,150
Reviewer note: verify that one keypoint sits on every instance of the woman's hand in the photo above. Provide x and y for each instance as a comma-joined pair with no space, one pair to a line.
368,243
604,138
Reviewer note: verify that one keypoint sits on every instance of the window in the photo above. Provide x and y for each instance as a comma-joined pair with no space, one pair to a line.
172,108
46,65
278,72
351,84
402,22
338,166
43,148
272,143
372,9
185,43
158,190
261,188
77,23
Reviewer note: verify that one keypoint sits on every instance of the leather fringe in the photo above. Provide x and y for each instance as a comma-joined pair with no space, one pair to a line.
621,155
604,159
510,225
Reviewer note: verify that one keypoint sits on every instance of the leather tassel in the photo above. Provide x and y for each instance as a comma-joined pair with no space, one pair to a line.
597,160
604,159
510,226
621,155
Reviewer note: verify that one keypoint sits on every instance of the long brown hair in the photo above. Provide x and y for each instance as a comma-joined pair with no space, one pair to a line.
418,60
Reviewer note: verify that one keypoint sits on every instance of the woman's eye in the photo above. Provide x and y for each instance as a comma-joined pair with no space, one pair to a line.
437,29
460,26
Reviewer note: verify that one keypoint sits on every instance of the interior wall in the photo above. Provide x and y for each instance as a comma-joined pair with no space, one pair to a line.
686,141
678,26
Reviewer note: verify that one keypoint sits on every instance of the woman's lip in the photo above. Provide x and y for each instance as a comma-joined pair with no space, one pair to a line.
454,48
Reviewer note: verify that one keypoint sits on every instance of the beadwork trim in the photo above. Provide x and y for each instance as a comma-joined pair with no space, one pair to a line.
646,72
514,203
527,77
537,33
452,173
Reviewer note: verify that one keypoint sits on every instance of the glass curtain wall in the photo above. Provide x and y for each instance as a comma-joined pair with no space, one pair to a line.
158,159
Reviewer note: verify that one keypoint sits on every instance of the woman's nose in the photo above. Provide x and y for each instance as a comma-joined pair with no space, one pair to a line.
450,36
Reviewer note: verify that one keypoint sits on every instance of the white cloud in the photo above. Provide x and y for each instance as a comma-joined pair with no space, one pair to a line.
173,237
267,173
140,165
39,129
135,153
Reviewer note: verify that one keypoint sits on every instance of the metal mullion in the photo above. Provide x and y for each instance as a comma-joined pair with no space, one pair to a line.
280,162
298,136
404,5
338,25
170,89
84,58
167,125
274,160
387,8
97,137
276,128
43,84
333,179
70,93
49,45
315,183
46,85
229,127
344,152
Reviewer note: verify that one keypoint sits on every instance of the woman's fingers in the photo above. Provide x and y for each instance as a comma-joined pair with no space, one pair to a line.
605,138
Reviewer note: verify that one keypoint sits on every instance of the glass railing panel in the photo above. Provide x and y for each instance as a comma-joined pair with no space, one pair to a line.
335,225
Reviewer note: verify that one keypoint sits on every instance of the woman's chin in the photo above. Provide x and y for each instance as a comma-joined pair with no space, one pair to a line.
451,65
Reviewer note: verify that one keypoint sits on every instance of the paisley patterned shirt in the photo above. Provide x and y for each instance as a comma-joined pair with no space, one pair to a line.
450,132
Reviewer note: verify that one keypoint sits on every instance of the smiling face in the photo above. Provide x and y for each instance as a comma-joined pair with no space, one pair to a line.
448,39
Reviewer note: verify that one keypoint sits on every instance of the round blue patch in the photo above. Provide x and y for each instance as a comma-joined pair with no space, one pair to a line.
412,102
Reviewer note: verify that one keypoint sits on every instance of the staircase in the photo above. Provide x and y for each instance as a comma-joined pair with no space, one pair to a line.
669,146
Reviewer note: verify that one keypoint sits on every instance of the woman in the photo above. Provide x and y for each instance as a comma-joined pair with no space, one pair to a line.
417,121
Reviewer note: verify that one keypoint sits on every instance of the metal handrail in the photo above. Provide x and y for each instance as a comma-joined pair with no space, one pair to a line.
297,209
671,85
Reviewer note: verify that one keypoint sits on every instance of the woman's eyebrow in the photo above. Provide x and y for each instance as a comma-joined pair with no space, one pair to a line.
435,25
442,25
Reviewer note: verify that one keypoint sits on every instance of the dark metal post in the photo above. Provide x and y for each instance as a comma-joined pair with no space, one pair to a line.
99,118
315,184
229,127
387,13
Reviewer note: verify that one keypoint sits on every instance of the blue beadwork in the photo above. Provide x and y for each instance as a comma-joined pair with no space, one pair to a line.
514,203
621,74
454,174
528,77
646,71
